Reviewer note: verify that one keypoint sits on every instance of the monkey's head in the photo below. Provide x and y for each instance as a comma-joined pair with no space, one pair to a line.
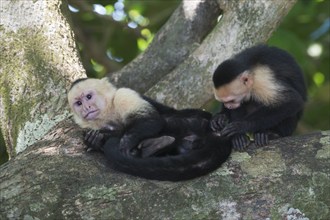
89,100
232,83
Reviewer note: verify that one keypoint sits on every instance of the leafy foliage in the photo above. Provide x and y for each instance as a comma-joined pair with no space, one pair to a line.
111,33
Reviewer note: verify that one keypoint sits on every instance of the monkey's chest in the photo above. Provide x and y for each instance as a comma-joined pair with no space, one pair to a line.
115,121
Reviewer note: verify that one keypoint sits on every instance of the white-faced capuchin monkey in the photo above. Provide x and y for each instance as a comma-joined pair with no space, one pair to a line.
262,91
142,137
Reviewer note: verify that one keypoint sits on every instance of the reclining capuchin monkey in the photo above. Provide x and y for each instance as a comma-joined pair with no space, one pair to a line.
142,137
262,91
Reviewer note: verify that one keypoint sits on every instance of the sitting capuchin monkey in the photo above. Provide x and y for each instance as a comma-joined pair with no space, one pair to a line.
262,91
142,137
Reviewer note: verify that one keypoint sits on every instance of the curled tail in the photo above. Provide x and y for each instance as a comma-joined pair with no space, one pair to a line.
198,162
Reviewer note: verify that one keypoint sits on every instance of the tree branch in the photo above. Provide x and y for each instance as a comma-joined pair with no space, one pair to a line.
57,179
182,33
243,23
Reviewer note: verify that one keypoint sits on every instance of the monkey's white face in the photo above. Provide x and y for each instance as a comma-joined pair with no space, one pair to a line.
233,94
88,104
91,102
230,100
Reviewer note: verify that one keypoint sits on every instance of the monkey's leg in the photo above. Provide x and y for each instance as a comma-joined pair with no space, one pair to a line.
189,143
165,145
141,129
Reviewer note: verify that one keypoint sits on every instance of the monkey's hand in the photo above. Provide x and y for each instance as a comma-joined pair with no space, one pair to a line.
240,142
233,128
218,122
94,140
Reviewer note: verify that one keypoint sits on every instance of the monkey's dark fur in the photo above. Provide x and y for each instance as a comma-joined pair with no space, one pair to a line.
195,151
274,103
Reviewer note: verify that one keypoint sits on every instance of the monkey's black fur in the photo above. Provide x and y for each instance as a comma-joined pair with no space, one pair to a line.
196,151
283,65
278,118
77,81
212,152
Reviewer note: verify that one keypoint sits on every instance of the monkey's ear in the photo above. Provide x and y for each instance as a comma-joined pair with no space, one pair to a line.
246,78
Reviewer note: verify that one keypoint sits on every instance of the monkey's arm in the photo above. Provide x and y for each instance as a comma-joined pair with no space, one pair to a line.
219,122
95,139
264,117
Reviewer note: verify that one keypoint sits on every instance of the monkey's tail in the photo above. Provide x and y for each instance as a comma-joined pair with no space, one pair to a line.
197,162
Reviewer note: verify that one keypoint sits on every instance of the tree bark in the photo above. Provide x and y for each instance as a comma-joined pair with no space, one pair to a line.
173,43
38,61
243,24
57,179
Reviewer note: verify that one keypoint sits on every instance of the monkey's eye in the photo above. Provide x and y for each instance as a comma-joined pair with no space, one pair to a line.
78,103
89,96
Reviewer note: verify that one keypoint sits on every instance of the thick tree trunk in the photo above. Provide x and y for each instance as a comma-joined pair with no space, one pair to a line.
173,43
38,61
57,179
243,23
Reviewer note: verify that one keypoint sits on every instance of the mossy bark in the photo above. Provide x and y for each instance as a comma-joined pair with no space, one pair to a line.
38,61
57,179
242,24
180,36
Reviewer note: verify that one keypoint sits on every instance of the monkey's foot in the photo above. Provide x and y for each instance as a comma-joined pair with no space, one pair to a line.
154,146
262,138
240,142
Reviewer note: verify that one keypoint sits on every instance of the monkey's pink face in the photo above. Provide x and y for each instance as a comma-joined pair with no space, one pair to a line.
230,101
88,104
233,94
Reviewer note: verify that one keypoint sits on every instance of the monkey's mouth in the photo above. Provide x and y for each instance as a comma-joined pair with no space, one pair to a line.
92,114
232,105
